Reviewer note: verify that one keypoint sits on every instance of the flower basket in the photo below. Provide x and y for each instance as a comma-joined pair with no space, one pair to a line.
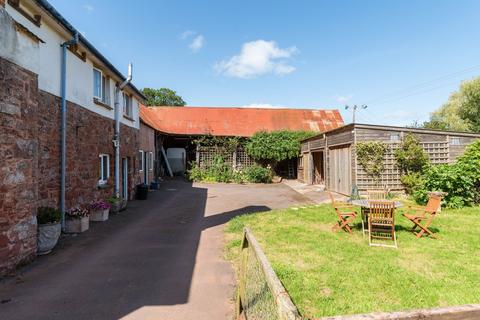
99,210
76,221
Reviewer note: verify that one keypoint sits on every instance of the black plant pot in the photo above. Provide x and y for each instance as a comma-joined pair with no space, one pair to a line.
142,191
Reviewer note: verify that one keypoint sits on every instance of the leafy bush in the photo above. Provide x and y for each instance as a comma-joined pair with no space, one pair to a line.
410,156
411,181
47,215
257,174
370,156
460,180
272,147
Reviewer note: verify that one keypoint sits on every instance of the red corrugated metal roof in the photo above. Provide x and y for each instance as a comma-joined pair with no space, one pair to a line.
241,122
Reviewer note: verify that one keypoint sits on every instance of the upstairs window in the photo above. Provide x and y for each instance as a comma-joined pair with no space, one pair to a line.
97,84
101,87
127,105
104,169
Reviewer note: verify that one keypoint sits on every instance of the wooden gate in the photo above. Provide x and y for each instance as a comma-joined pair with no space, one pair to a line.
340,169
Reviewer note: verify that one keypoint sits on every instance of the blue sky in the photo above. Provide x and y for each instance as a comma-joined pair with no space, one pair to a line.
401,58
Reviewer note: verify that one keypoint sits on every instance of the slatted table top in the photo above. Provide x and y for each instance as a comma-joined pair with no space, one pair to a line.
365,203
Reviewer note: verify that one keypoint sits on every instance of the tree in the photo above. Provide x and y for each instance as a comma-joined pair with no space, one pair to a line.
162,97
462,110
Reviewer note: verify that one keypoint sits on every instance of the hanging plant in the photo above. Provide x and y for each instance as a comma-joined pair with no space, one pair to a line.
370,156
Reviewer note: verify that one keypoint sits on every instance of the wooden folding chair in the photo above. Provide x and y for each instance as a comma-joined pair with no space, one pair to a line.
376,194
381,223
418,215
344,217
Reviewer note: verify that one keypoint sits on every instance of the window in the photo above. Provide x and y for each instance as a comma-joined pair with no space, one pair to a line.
104,168
141,164
455,141
101,87
395,137
105,90
127,105
150,161
97,84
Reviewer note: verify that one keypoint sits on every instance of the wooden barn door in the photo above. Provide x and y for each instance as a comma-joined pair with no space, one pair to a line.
340,170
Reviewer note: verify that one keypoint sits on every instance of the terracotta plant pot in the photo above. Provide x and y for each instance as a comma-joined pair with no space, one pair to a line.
99,215
47,237
76,225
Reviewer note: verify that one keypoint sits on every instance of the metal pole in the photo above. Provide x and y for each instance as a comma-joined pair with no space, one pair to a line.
63,134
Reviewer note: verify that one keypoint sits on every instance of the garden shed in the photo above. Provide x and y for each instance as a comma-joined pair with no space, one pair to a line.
181,127
330,158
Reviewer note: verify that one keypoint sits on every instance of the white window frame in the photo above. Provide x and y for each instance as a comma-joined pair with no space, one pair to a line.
142,162
127,105
101,181
105,88
457,142
398,137
150,161
101,84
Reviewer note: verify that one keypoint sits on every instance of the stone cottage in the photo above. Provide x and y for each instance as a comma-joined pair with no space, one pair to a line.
35,73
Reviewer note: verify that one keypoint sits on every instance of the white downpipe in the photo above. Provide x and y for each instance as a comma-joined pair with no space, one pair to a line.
116,137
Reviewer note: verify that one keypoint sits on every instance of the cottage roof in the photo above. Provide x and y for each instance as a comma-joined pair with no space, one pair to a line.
242,122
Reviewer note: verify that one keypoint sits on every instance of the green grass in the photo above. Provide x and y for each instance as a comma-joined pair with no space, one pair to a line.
329,273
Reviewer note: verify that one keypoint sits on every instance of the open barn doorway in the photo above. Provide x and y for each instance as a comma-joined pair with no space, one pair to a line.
318,167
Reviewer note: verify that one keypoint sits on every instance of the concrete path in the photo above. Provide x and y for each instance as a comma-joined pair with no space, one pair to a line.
160,259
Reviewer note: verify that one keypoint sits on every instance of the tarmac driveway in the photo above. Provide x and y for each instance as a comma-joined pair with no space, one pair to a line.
160,259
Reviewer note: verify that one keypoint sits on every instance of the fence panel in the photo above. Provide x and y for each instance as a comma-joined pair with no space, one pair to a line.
261,295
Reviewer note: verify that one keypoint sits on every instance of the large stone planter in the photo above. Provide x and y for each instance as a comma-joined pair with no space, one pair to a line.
99,215
47,238
76,225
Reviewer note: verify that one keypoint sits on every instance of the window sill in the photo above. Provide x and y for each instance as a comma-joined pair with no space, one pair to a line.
102,104
103,185
128,118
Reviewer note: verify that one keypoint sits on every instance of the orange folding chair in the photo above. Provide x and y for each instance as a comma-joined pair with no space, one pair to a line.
422,217
344,217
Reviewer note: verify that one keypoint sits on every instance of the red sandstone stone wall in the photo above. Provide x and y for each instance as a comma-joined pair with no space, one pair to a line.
30,157
19,160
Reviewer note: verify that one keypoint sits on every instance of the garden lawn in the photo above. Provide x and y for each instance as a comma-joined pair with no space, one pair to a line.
329,273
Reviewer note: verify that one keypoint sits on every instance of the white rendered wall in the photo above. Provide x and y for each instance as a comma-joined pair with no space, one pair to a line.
44,59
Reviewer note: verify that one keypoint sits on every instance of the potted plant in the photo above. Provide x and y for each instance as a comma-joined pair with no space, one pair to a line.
76,220
115,204
99,210
49,229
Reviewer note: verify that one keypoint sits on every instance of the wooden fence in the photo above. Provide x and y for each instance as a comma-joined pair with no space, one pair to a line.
261,295
238,158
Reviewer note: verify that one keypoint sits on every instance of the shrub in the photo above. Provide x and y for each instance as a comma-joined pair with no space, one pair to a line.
411,181
410,156
370,156
460,180
257,174
47,215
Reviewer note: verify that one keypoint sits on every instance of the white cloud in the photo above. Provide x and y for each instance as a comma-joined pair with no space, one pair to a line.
263,106
88,7
197,43
186,34
258,58
343,99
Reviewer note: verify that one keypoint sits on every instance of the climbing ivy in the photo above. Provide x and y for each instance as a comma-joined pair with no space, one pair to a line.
370,156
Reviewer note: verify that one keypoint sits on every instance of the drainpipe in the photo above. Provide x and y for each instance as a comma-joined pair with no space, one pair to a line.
63,93
116,137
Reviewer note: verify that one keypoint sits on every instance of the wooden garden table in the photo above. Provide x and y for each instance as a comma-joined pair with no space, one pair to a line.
364,205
